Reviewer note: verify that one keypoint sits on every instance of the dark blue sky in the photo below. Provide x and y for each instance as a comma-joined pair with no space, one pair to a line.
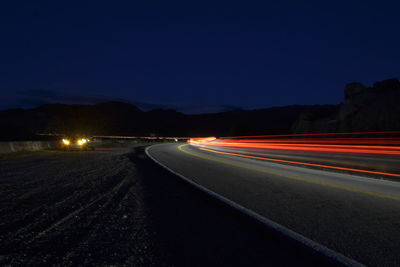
194,53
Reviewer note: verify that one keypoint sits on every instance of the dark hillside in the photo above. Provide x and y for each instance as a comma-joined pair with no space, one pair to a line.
119,118
373,108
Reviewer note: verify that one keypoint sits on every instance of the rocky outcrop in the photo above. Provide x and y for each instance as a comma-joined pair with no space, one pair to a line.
375,108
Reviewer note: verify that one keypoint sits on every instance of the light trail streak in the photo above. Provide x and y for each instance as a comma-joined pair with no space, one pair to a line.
386,146
303,163
375,148
310,134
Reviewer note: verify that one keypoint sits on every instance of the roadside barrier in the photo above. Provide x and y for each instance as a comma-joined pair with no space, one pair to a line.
12,147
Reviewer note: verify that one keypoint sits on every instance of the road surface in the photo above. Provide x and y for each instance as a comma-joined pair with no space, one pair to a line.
353,215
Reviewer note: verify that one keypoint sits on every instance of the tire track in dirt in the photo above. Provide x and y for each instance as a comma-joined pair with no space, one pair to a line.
76,212
25,232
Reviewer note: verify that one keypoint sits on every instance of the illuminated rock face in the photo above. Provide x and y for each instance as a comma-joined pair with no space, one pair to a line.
375,108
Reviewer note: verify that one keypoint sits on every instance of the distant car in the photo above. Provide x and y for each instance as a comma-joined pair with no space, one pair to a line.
77,143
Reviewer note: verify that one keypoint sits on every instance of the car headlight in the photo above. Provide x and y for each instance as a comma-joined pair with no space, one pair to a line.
66,142
82,141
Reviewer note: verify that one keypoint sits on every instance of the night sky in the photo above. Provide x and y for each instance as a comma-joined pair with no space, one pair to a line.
194,54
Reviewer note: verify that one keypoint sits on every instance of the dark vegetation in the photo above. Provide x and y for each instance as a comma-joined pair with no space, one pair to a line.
373,108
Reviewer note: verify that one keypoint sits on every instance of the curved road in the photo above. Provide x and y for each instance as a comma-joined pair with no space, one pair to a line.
356,216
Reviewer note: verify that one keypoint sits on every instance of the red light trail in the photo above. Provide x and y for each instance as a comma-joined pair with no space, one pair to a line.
311,134
342,145
303,163
387,146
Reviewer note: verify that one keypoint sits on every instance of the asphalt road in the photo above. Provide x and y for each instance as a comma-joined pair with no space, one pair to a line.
353,215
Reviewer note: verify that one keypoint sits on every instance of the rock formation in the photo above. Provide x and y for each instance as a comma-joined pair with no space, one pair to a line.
375,108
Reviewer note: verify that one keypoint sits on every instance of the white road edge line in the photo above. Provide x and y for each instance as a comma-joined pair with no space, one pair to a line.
336,256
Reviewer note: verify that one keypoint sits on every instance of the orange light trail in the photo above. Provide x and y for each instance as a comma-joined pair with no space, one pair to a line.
304,163
376,148
311,134
386,146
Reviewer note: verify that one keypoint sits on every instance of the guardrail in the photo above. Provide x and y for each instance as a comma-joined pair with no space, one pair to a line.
12,147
